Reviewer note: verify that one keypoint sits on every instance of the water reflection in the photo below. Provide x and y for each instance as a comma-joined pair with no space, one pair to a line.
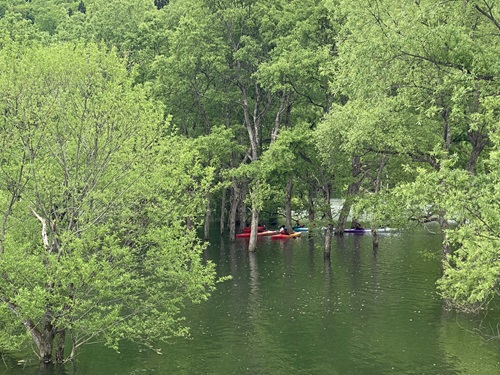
286,247
254,279
312,250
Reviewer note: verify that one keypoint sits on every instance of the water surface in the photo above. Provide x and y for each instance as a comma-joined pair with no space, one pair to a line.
288,311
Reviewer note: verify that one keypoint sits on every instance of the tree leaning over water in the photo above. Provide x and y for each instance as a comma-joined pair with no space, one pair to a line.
93,242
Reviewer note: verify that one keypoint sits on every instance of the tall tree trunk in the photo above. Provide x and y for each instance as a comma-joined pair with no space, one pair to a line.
344,213
253,118
381,166
284,108
478,138
378,185
478,142
223,211
327,190
288,204
445,114
235,202
445,249
206,228
242,207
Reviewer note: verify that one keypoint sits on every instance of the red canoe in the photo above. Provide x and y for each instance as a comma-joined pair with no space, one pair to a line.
259,234
282,236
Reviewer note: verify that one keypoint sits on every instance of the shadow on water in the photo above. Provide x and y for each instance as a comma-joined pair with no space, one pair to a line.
41,369
68,369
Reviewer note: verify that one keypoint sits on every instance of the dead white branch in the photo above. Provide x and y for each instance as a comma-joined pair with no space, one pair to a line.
45,238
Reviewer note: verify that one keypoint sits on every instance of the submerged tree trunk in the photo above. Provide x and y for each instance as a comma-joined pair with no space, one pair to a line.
252,245
328,241
374,238
288,204
206,231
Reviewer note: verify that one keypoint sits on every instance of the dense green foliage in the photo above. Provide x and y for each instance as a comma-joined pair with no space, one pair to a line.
93,198
276,107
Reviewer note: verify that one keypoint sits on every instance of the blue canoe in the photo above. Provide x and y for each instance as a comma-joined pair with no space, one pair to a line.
300,229
366,230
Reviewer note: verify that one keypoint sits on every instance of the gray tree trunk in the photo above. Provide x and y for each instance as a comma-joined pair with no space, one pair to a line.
235,201
242,208
252,245
223,211
329,221
328,241
43,337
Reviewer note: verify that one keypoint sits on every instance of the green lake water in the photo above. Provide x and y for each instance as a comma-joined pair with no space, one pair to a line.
288,311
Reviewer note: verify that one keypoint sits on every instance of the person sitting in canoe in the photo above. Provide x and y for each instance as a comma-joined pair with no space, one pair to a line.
298,224
284,230
356,225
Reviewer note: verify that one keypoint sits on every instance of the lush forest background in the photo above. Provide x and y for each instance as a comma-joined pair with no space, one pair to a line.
127,125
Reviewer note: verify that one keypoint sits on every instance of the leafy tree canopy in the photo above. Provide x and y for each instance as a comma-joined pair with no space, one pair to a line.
93,245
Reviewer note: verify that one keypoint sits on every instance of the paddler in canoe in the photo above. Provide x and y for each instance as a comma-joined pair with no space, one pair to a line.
284,230
356,225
